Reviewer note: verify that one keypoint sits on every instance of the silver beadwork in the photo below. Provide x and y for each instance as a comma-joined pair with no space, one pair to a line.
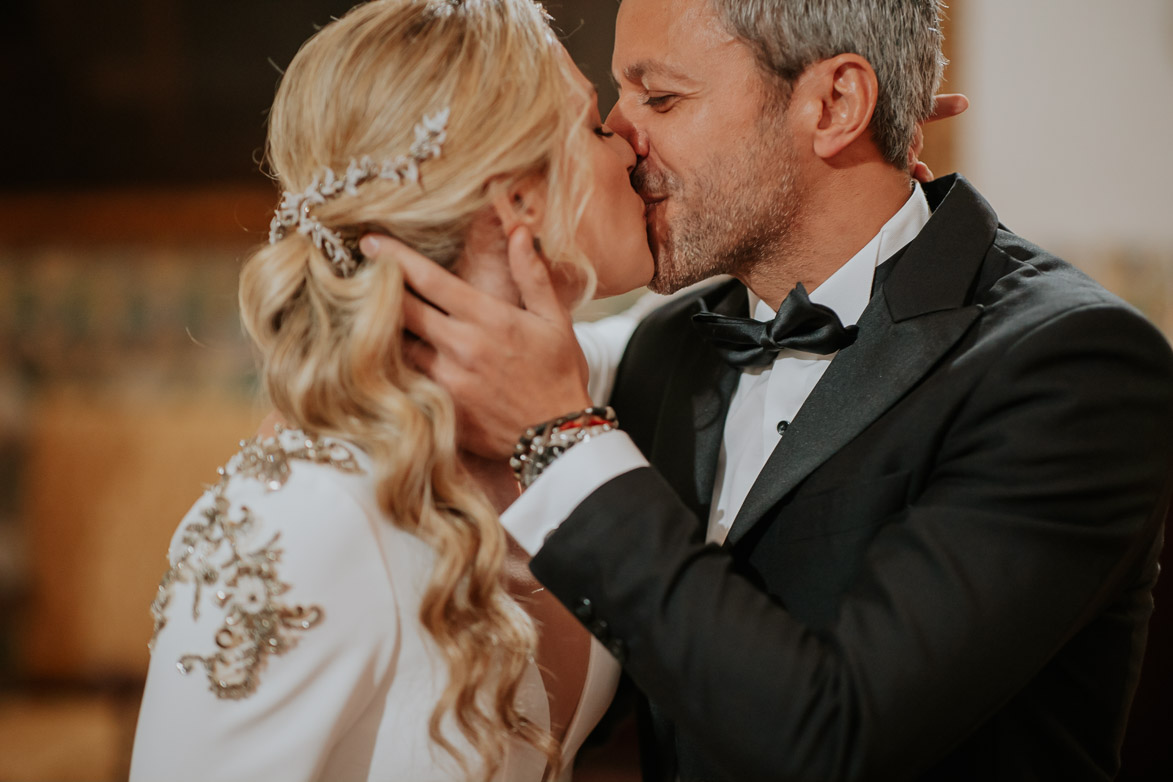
542,444
217,554
293,213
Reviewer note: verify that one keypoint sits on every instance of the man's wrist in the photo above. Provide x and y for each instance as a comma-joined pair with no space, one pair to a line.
541,509
540,445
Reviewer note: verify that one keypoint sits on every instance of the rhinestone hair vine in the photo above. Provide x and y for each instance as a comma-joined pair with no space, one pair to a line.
293,213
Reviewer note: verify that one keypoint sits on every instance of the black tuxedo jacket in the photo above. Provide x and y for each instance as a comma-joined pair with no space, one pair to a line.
944,570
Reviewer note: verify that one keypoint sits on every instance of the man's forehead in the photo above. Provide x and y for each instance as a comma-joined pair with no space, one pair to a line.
665,38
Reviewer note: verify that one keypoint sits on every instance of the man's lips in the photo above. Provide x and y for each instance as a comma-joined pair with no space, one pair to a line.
651,202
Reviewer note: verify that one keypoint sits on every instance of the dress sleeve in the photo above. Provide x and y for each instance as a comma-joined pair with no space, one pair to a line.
603,341
274,625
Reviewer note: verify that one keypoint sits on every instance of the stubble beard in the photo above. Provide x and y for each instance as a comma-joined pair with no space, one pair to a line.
737,213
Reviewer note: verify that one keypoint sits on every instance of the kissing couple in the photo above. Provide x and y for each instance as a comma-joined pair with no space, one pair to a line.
877,493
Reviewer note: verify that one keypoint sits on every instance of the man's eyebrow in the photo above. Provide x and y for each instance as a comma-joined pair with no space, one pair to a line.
636,72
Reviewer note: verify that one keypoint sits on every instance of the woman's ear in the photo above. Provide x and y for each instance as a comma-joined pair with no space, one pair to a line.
521,203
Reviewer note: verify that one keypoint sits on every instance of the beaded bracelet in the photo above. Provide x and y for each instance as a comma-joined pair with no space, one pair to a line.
542,444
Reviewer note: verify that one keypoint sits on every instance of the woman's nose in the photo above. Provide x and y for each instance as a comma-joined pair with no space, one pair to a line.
626,153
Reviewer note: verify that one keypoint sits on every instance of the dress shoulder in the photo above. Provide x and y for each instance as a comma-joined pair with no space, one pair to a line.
231,556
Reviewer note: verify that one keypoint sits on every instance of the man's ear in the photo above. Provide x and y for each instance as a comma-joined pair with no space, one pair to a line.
520,203
840,94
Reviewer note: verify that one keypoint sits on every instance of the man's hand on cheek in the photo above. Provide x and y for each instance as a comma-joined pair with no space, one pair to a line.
506,368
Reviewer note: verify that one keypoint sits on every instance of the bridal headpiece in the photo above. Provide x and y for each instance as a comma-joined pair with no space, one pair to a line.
293,213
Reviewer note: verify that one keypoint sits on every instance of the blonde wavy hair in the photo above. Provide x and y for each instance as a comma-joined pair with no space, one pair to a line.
331,346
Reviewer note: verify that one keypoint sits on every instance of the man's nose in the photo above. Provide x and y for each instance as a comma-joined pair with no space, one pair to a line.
619,122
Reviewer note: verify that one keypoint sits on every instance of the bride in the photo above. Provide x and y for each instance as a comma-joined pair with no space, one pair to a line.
336,606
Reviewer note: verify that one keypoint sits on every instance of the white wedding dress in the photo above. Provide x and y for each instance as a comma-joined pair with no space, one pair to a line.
288,644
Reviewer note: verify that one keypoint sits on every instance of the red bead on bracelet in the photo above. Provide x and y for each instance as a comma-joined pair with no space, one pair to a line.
579,424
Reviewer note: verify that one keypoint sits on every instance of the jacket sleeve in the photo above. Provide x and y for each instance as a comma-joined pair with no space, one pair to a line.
1046,495
256,674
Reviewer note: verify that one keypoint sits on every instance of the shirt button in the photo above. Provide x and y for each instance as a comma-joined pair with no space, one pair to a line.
618,650
782,427
600,629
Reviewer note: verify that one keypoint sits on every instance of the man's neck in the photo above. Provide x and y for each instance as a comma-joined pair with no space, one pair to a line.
839,217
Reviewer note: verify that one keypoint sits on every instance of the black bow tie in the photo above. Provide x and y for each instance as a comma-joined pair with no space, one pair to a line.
799,325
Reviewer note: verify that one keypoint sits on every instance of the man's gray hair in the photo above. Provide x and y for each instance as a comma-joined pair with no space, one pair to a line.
900,38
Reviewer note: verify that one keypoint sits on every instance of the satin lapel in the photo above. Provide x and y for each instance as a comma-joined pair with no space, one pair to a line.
918,315
861,383
691,422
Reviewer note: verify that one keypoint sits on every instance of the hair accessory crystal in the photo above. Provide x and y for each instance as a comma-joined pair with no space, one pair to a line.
293,213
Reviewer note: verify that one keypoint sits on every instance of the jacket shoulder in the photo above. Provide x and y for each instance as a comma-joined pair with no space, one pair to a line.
1027,285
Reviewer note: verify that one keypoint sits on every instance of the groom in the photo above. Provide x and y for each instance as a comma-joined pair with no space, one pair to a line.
906,530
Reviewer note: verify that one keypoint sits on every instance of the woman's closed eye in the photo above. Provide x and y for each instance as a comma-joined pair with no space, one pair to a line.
603,131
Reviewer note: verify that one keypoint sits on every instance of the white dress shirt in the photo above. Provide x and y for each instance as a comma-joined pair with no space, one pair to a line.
764,398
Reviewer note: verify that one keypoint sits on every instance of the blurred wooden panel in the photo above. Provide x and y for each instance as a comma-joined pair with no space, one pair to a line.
129,92
231,215
109,481
164,93
64,739
587,28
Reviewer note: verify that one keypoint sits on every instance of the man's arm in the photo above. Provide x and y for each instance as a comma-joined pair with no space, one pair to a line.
1042,505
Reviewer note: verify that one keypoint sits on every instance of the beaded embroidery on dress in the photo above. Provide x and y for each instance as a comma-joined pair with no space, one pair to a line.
220,552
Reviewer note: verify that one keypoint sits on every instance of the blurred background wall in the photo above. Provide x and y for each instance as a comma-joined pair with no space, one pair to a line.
130,192
1069,134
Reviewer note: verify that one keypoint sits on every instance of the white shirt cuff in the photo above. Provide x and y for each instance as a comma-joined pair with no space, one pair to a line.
569,480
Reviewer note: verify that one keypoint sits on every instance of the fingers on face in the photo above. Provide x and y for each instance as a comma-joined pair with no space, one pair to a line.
455,340
531,272
422,319
441,368
431,282
420,355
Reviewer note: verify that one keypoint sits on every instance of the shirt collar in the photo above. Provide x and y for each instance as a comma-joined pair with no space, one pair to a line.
849,289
